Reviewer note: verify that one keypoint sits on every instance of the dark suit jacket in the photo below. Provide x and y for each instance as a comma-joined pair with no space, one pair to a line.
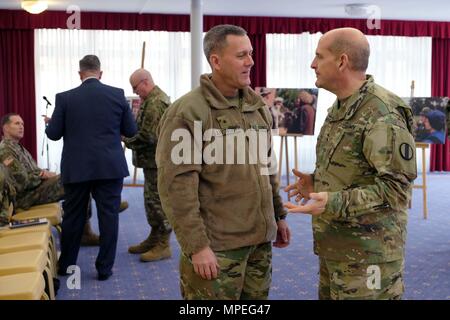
91,118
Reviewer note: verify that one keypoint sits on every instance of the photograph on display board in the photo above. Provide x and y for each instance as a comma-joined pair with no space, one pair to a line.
135,104
293,110
429,118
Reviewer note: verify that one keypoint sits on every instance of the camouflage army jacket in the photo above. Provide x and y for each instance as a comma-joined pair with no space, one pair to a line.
7,194
224,206
24,172
366,162
144,142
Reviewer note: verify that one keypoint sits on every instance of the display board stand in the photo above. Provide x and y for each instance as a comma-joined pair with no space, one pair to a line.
422,186
284,146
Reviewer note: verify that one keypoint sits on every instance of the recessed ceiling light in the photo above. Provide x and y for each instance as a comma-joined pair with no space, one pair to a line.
34,6
357,9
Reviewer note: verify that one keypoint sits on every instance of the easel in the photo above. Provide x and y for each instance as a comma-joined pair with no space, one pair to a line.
422,186
133,183
284,142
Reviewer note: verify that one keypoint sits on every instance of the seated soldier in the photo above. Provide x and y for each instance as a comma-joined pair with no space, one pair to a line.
33,185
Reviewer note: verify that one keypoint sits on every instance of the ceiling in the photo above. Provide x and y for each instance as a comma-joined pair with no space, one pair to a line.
430,10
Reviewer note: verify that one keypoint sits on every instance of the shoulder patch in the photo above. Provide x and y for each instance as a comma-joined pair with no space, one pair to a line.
406,151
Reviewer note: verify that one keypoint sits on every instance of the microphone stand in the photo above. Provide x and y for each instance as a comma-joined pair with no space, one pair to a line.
45,140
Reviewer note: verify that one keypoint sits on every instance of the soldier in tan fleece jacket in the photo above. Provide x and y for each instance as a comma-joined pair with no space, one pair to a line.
225,211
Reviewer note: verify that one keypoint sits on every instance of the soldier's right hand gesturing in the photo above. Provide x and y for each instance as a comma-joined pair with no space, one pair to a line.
302,188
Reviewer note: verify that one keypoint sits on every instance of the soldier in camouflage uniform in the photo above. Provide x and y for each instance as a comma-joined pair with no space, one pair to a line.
33,185
143,144
361,186
224,215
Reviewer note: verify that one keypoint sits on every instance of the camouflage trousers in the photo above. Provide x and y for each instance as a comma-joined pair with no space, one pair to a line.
50,190
355,281
245,274
154,212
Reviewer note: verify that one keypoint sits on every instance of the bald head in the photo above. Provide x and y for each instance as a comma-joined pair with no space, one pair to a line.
141,74
142,82
351,42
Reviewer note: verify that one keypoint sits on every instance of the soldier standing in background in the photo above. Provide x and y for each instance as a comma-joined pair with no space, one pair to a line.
143,144
362,182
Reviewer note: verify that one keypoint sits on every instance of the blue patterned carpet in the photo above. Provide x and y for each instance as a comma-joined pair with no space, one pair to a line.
294,268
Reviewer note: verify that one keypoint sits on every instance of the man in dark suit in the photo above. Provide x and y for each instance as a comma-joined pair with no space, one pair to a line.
91,118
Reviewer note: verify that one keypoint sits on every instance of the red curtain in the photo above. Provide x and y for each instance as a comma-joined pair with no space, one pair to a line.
19,19
258,73
313,25
17,80
440,87
17,68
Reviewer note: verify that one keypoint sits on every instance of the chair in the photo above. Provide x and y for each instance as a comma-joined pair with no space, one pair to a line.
23,286
6,231
51,206
52,212
25,241
28,261
28,241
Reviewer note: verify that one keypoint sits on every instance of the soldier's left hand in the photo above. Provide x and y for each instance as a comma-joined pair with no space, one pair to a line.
205,263
283,235
314,207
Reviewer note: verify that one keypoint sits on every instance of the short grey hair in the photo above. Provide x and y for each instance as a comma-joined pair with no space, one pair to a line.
7,118
216,38
358,55
90,63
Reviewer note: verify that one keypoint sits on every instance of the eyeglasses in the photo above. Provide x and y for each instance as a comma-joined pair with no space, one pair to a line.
137,85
